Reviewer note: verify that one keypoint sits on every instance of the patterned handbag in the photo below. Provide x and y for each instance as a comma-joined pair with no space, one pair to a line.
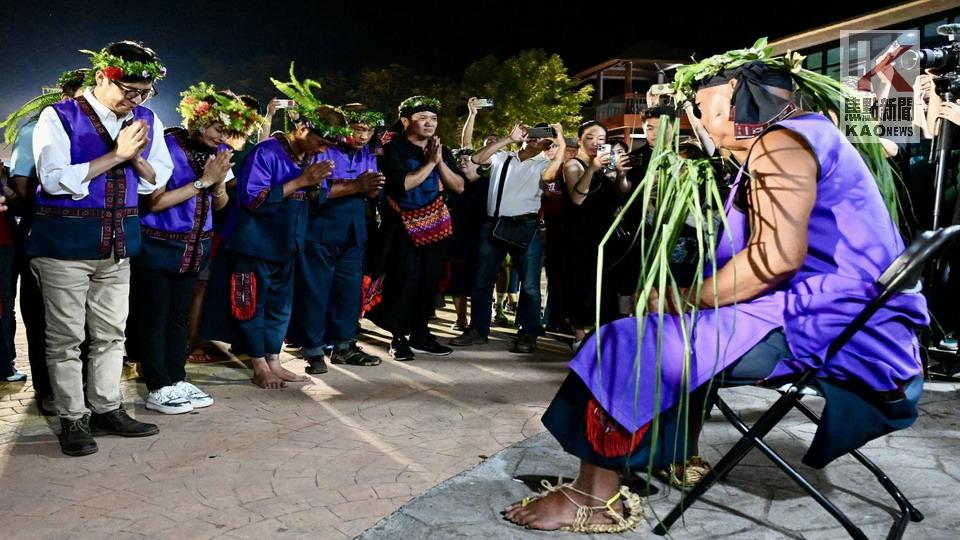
425,225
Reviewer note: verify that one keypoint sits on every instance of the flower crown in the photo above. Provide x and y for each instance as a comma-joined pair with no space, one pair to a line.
116,68
197,111
325,120
417,102
370,118
689,77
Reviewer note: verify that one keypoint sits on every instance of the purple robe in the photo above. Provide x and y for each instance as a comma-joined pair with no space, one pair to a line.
851,240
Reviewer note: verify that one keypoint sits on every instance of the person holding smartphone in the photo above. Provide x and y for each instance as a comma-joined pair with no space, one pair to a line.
592,201
512,227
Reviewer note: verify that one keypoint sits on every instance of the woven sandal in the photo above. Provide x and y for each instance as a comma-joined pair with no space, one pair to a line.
693,472
628,520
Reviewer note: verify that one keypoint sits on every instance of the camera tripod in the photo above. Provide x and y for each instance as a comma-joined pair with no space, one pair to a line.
945,363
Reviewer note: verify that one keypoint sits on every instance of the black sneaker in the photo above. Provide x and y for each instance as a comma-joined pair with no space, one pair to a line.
400,350
316,365
118,422
354,356
431,347
468,338
75,437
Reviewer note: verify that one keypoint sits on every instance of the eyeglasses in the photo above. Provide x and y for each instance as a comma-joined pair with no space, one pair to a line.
130,93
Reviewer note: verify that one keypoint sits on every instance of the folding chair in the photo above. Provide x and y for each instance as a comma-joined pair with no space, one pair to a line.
902,275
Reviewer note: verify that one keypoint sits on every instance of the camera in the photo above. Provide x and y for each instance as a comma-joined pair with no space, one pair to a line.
285,103
484,103
940,59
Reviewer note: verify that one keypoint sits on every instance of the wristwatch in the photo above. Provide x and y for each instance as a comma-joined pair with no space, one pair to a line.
199,185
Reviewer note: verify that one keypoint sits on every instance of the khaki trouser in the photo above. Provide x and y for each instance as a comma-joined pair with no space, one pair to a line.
77,294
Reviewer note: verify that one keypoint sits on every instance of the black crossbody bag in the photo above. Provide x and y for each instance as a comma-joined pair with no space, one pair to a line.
516,231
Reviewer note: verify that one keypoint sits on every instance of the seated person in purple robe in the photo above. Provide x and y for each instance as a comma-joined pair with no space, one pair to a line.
807,234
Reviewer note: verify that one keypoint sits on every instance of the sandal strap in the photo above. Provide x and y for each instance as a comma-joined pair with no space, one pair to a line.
585,512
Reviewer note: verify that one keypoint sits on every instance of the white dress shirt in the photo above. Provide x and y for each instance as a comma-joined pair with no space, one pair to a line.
51,151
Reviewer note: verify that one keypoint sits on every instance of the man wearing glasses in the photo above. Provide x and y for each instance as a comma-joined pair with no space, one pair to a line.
94,154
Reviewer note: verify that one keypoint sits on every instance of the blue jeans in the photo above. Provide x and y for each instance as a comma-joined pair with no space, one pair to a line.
528,263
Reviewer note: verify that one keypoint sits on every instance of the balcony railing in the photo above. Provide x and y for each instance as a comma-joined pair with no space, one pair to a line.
618,106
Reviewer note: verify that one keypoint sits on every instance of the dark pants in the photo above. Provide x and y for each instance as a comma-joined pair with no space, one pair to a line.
8,283
326,304
264,332
528,263
411,280
31,310
157,329
552,266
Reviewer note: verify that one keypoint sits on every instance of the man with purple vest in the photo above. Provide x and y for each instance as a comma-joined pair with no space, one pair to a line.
95,155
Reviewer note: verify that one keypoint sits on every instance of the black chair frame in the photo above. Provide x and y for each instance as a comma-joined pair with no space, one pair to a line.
903,273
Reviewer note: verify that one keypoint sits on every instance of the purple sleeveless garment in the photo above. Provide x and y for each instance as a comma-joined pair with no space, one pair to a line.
851,240
188,216
88,141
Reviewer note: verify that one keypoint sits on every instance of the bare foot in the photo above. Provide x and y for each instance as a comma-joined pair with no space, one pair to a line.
285,374
555,511
264,377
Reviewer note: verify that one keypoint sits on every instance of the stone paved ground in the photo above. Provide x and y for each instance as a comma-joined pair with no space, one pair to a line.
325,460
757,500
331,459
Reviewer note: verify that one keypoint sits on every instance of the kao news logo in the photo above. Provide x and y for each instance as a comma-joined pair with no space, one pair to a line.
878,68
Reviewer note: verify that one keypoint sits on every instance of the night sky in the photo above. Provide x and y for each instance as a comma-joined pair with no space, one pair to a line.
239,44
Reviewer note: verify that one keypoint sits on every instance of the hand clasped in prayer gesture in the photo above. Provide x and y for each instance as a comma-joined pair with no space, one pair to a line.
370,182
434,151
318,172
216,167
132,139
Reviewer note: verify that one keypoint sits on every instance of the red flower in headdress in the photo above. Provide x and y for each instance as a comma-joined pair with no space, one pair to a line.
203,108
113,73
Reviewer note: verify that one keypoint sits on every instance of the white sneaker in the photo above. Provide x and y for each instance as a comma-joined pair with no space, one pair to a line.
168,400
198,398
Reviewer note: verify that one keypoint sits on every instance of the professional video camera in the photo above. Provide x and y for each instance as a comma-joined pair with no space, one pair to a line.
943,61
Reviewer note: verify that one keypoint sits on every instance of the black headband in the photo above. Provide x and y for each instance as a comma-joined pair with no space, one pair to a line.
755,107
